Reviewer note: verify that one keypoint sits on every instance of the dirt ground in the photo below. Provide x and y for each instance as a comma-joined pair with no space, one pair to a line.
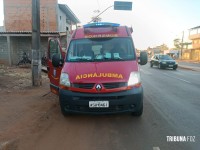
25,111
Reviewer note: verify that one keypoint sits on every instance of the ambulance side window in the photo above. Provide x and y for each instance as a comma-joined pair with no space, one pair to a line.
54,48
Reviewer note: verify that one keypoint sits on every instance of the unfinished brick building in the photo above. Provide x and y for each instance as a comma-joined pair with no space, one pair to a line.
55,20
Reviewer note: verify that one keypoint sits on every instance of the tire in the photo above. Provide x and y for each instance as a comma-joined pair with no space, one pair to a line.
159,66
174,68
63,110
21,62
29,61
151,64
139,112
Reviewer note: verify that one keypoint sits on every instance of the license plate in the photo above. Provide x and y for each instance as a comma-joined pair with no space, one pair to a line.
98,104
170,65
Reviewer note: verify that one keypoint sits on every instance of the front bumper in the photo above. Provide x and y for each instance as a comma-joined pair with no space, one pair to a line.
119,102
169,65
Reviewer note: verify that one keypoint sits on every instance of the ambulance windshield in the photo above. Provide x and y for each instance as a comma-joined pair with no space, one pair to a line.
101,49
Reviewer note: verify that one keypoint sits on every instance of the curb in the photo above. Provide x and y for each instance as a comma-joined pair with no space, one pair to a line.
188,68
186,61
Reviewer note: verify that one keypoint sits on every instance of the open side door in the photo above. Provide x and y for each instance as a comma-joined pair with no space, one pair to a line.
54,47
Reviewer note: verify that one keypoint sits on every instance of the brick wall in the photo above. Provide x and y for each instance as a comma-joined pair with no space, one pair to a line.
18,15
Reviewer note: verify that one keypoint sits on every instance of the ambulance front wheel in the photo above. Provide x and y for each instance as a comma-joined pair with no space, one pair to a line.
63,110
139,112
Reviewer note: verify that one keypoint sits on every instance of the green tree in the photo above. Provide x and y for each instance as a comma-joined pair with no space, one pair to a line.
162,47
177,43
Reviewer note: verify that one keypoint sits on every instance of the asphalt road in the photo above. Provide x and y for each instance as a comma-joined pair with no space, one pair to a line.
173,97
171,108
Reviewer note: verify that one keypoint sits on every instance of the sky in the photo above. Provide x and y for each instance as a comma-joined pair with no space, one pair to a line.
154,22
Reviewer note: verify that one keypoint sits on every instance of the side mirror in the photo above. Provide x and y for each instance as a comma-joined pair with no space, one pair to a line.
143,58
56,61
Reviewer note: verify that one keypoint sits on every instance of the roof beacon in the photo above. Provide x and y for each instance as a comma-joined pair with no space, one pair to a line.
101,24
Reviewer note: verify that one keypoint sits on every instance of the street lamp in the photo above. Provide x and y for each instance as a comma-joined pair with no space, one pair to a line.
96,18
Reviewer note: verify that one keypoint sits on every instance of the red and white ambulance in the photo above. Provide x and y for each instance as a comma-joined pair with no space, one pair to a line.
99,72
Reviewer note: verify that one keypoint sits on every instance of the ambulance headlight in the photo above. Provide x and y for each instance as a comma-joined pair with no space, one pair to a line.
134,79
64,79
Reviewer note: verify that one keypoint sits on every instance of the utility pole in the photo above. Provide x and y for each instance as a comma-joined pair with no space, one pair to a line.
36,54
182,45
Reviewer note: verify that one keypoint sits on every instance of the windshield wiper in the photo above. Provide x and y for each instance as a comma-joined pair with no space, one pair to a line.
110,59
118,58
80,60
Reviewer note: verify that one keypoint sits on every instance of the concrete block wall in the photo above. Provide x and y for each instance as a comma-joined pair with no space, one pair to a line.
18,15
44,46
18,45
23,44
3,50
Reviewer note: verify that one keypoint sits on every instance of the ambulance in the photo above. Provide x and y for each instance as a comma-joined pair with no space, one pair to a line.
99,71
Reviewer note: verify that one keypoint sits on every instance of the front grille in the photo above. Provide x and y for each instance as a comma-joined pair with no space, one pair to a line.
114,85
111,85
83,85
100,98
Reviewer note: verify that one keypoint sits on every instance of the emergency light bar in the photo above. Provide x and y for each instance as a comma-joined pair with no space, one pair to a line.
101,24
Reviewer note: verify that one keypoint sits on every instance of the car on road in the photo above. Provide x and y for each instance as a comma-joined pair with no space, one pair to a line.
163,61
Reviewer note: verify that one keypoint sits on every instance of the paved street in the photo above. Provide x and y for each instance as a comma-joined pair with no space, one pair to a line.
173,96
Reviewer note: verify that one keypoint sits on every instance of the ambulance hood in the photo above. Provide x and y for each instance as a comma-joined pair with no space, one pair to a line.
100,72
